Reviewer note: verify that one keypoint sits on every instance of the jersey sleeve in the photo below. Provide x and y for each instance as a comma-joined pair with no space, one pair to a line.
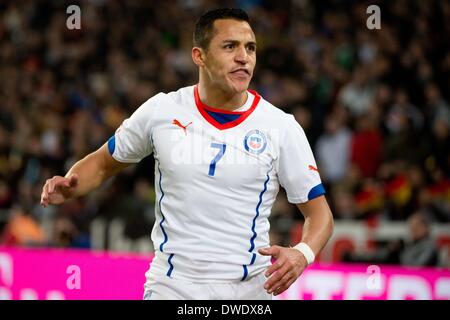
132,140
296,166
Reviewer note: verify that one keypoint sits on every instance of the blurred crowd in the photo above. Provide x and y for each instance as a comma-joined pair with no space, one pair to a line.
373,103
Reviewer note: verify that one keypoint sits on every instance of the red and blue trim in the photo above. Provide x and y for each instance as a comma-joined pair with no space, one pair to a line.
206,111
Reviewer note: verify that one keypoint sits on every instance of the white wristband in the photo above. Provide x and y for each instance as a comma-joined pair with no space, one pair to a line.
307,252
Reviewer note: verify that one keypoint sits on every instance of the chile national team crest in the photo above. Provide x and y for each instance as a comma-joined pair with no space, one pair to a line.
255,142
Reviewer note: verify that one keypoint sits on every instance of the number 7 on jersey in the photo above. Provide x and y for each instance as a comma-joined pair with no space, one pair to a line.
222,148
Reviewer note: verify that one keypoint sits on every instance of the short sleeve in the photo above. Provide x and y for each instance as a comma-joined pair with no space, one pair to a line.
296,166
132,140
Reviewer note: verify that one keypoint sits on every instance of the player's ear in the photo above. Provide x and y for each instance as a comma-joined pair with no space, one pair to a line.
198,56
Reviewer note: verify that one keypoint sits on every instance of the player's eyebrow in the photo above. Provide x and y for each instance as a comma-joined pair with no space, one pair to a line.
229,41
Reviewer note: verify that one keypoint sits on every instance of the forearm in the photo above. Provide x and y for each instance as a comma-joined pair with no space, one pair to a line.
90,175
318,226
93,170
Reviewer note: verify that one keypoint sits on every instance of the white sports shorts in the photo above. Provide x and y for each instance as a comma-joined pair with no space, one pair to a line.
165,288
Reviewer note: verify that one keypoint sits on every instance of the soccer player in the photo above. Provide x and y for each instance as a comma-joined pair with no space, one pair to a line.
221,152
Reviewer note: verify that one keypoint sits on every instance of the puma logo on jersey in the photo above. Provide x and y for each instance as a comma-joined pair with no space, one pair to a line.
177,123
310,167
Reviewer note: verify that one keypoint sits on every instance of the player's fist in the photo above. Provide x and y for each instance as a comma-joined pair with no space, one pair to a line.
58,189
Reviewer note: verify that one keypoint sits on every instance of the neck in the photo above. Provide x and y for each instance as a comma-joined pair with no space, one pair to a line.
217,98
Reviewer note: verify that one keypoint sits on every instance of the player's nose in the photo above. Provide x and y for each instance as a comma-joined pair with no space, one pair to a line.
241,55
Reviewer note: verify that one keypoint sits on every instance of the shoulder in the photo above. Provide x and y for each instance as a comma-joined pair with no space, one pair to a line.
177,96
164,100
181,96
148,107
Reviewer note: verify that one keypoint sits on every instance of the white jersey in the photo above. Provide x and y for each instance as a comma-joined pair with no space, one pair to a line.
216,183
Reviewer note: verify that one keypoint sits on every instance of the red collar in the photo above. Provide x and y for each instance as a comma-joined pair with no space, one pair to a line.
202,108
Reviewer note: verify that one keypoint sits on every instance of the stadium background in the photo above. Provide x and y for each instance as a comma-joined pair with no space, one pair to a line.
374,105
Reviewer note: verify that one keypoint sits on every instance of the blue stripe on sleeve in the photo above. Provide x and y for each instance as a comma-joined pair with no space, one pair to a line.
112,144
316,191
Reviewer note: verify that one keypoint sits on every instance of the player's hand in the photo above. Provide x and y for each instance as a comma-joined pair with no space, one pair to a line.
289,265
58,189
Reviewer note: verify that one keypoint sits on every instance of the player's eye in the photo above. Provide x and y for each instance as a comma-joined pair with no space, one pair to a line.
251,47
228,46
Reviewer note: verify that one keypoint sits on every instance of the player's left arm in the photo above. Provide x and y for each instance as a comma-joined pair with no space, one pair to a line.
290,262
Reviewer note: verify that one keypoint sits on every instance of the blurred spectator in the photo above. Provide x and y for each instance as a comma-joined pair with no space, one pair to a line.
440,145
436,106
333,150
421,249
367,146
418,250
22,229
357,95
402,110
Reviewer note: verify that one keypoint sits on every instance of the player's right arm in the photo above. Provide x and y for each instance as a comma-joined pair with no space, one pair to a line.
84,176
130,144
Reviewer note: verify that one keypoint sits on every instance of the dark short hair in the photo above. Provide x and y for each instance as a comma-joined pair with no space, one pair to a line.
204,26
